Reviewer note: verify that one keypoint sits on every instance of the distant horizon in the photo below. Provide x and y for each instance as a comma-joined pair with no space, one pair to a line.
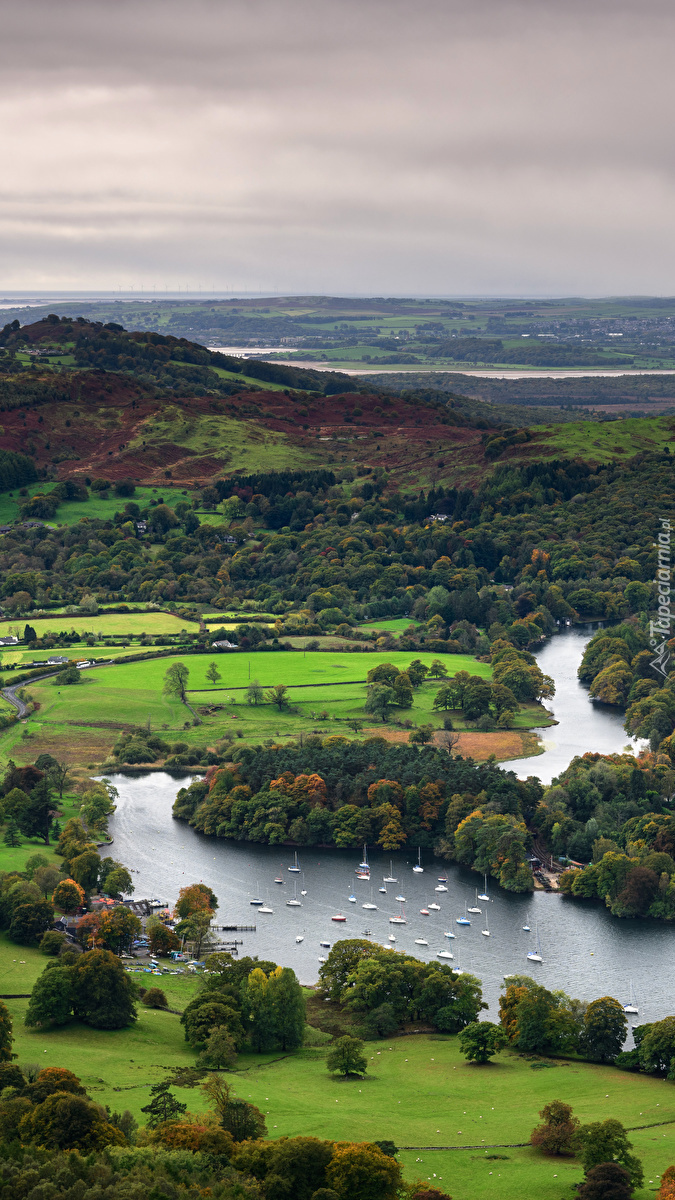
245,294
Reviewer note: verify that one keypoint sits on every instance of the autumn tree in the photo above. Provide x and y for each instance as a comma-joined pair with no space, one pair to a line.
68,896
609,1181
68,1122
558,1131
361,1169
196,897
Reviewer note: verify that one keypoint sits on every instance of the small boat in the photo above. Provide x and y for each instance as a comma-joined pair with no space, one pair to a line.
632,1007
265,909
256,901
463,920
326,945
383,889
484,894
279,879
418,869
363,874
444,954
322,960
434,907
338,917
475,908
486,932
442,879
526,928
300,938
294,902
535,955
391,937
352,899
421,942
295,868
367,933
390,878
303,890
449,933
369,903
441,888
364,866
399,920
424,912
401,899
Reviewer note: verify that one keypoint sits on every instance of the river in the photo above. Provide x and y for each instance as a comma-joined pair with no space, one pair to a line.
586,952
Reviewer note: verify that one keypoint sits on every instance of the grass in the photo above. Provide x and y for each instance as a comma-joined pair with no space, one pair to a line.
419,1091
70,512
389,625
606,442
14,858
115,624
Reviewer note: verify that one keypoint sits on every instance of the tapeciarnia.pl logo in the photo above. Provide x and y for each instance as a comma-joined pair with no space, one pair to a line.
660,629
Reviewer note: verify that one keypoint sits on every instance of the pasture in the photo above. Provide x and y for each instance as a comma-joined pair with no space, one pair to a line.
118,625
418,1091
96,507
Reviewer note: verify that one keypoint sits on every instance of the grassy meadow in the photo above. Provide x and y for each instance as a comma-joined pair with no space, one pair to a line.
118,625
418,1092
606,442
70,512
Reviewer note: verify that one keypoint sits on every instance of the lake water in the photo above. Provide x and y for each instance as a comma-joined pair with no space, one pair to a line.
586,952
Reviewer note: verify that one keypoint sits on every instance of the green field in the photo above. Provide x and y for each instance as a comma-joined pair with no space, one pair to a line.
419,1092
610,441
113,624
389,625
70,512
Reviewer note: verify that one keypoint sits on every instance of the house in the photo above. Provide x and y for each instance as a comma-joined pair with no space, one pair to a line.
224,645
9,641
439,517
141,527
56,660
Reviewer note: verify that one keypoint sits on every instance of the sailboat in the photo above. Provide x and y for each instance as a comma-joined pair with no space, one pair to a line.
279,878
300,937
444,954
424,912
257,901
391,937
526,926
338,917
352,898
399,920
266,908
459,970
442,879
363,869
449,933
421,942
486,932
440,888
434,907
484,894
463,920
418,869
383,888
390,878
631,1008
401,899
295,868
294,902
474,908
303,889
369,903
535,955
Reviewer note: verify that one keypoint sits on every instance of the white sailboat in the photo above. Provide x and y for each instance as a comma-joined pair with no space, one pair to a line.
256,900
449,933
383,888
421,942
418,868
401,899
303,889
632,1007
390,878
294,902
486,932
475,908
370,904
400,919
295,868
484,894
352,898
463,920
364,866
440,888
434,907
444,954
535,955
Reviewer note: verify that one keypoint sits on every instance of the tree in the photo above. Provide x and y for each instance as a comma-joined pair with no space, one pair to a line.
68,896
13,805
30,921
29,634
36,817
11,836
384,672
175,680
5,1034
558,1132
503,699
380,698
51,1000
68,1122
196,897
58,776
355,724
361,1169
287,1002
117,883
480,1040
163,1106
52,942
438,669
277,695
244,1121
417,672
403,690
445,697
33,863
607,1142
155,998
46,878
208,1011
608,1181
423,735
196,930
476,699
213,674
346,1056
254,693
342,960
84,869
605,1029
102,993
667,1189
119,928
161,939
220,1051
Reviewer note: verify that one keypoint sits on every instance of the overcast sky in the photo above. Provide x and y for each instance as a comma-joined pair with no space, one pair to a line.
370,146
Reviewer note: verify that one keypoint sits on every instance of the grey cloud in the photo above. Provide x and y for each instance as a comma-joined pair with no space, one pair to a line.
371,146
